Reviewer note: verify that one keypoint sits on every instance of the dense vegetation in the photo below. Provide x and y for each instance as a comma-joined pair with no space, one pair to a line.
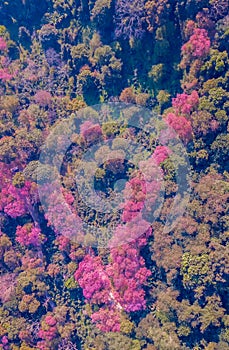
163,289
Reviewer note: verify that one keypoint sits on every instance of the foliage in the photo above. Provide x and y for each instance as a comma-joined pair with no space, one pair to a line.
144,286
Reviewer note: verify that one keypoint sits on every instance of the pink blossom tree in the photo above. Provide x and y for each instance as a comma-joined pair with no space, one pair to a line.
115,287
92,269
6,73
47,332
29,235
16,202
3,44
160,154
4,343
107,319
198,45
181,125
185,104
128,274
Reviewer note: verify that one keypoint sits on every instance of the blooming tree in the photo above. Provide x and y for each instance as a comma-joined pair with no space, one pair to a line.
18,201
3,44
184,103
29,235
198,45
181,125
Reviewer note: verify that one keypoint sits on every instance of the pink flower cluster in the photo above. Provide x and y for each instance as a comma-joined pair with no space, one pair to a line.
128,274
48,333
153,177
5,65
63,243
4,343
131,210
184,103
198,45
3,44
160,154
115,286
135,194
142,190
15,201
93,279
97,289
181,125
107,319
29,235
5,75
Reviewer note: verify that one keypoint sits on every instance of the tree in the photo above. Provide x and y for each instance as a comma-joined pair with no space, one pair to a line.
3,44
129,19
157,13
185,104
181,126
28,235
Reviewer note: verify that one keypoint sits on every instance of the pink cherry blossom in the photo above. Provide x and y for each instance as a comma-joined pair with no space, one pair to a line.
29,235
3,44
181,125
160,154
184,103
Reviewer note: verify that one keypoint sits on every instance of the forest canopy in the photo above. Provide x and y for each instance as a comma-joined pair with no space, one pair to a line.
130,99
